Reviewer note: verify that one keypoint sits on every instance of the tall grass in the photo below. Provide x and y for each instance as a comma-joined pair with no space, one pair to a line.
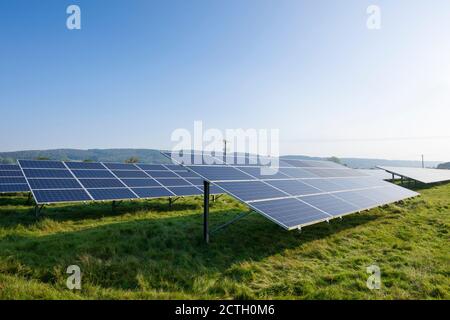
147,250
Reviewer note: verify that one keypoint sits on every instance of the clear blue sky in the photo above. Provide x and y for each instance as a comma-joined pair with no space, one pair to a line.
137,70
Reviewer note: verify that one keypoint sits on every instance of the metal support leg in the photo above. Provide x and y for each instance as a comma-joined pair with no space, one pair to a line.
205,211
213,198
37,210
29,198
226,224
170,202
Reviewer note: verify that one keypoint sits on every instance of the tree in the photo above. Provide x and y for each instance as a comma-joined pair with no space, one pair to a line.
132,160
334,159
42,158
88,160
445,165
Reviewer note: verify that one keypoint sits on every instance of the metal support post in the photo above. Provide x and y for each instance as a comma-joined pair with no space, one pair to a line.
205,211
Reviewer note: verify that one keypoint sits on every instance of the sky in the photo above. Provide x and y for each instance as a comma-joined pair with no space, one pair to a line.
138,70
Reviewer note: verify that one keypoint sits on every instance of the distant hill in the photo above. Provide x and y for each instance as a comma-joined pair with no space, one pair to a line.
154,156
106,155
445,165
358,163
367,163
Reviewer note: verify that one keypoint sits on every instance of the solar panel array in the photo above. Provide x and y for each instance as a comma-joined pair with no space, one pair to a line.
381,174
424,175
301,192
58,181
12,179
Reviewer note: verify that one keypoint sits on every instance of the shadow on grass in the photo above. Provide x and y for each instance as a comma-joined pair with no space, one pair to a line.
165,253
18,211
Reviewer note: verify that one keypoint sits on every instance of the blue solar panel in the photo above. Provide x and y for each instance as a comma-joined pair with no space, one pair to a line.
13,180
162,174
357,199
93,174
310,163
263,173
213,189
13,188
187,174
398,193
84,165
154,192
172,182
326,185
330,204
110,181
185,191
54,184
47,173
297,173
53,196
290,212
11,173
297,163
330,173
294,187
197,159
13,167
120,166
280,197
101,183
195,181
151,166
350,183
111,194
218,173
251,190
174,167
141,182
40,164
130,174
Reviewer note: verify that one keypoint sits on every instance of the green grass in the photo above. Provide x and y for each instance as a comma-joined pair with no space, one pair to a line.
146,250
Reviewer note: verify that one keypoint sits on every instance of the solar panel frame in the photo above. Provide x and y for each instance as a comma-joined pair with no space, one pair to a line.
329,173
424,175
93,176
12,179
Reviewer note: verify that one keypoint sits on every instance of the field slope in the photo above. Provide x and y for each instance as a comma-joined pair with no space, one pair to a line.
146,250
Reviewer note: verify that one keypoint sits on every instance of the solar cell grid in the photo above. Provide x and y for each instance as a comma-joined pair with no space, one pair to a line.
11,173
424,175
13,167
329,185
108,181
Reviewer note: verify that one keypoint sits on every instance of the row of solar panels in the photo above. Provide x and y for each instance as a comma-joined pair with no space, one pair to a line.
295,194
12,179
57,181
300,196
424,175
203,158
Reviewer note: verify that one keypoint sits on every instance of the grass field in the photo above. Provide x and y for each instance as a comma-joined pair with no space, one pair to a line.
146,250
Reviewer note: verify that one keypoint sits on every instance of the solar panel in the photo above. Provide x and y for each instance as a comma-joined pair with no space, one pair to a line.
57,181
60,195
300,192
423,175
377,173
12,179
